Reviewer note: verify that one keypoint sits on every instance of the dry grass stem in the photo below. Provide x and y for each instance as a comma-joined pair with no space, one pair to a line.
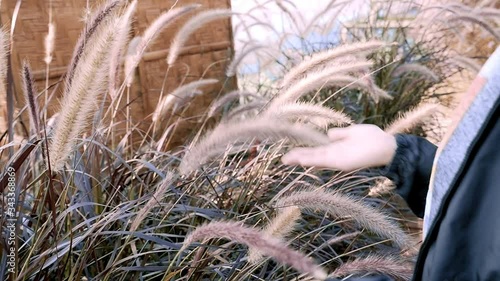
346,207
179,97
157,197
269,246
389,266
216,142
412,118
191,26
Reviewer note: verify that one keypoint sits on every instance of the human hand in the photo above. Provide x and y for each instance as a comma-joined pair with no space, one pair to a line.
352,148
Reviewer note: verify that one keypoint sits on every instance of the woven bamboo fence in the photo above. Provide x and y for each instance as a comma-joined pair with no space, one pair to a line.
205,55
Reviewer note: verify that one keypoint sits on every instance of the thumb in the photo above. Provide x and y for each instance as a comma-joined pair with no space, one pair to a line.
337,134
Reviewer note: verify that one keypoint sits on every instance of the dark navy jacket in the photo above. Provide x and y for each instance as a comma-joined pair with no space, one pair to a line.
463,241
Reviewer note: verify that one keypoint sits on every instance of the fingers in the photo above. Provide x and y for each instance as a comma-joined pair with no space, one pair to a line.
314,156
337,134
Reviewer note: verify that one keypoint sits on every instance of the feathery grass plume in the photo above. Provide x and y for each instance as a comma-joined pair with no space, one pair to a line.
122,36
381,187
254,105
321,79
390,266
476,20
96,19
191,26
152,32
216,142
179,96
415,67
412,118
81,96
324,57
232,69
157,196
315,80
227,98
279,227
130,60
269,246
466,63
29,91
341,205
321,115
49,43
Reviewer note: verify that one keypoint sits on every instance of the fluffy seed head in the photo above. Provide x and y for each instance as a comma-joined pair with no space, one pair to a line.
389,266
412,118
269,246
343,206
191,26
216,142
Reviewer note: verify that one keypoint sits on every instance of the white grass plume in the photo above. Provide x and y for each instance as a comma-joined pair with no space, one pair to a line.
315,80
150,34
191,26
389,266
131,61
257,105
412,118
49,43
232,69
269,246
417,68
81,96
381,187
324,57
319,115
99,17
30,94
324,79
178,96
344,206
218,104
279,227
122,36
216,141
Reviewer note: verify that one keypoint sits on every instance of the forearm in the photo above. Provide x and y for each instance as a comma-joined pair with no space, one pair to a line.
410,170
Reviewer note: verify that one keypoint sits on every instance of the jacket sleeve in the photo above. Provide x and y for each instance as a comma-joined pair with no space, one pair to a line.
410,170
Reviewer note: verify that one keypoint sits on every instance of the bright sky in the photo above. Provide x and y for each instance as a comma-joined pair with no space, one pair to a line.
269,13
